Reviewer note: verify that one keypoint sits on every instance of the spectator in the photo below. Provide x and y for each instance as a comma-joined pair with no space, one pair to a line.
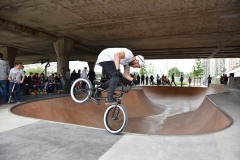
163,80
138,79
37,84
142,79
48,88
16,76
167,80
181,79
84,73
221,80
29,84
151,80
225,79
78,74
189,81
57,81
209,80
73,76
147,80
51,78
91,76
68,79
4,71
173,80
62,78
23,84
41,80
158,80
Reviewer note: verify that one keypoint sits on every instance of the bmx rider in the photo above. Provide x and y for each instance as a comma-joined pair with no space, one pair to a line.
110,59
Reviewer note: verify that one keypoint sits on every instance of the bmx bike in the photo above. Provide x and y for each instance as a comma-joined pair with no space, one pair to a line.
115,117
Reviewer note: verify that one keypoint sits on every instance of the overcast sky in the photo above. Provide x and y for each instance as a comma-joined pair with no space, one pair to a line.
184,65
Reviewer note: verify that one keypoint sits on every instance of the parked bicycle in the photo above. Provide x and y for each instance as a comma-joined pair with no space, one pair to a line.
115,117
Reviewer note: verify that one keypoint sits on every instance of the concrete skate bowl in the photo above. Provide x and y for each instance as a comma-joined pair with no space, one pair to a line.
151,110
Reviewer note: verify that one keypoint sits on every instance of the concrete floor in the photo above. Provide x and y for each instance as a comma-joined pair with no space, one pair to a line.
28,138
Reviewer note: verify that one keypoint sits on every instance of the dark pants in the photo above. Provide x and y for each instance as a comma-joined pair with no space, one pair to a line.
3,86
110,69
16,89
209,82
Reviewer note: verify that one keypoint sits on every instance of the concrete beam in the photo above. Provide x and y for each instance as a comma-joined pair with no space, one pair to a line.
25,29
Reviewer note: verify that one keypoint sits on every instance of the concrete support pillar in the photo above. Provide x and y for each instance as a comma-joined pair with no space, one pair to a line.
9,54
91,66
63,47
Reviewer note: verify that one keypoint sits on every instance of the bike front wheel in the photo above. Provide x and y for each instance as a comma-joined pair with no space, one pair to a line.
81,90
115,119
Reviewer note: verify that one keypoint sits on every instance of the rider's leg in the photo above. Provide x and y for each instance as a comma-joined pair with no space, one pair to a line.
112,86
110,68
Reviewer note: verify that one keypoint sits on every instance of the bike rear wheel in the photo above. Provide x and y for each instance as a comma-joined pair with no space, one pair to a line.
81,90
115,119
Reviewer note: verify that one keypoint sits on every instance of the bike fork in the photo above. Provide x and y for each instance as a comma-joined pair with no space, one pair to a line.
115,113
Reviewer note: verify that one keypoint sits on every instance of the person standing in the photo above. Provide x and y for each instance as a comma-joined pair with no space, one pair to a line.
209,80
189,81
4,71
225,79
147,80
151,80
181,79
163,80
138,79
16,76
158,80
91,76
84,73
63,79
142,79
221,80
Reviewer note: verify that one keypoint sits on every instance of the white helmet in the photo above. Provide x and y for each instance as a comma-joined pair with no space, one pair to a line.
140,60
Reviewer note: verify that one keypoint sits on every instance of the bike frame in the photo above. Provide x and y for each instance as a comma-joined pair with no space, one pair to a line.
117,96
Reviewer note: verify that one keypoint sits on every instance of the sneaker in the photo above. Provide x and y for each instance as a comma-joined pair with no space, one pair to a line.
110,102
12,101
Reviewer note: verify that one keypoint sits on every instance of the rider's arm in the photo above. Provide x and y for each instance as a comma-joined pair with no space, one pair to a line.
127,73
117,57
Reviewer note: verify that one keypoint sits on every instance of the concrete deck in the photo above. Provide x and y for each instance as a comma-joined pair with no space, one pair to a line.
28,138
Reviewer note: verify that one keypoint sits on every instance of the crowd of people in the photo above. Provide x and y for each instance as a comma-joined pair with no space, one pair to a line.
15,81
164,80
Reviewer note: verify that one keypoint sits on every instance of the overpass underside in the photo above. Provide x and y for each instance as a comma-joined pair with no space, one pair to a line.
165,29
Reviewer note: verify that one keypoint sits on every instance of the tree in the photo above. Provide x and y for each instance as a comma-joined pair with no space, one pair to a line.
198,68
38,70
174,70
150,69
143,70
189,74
